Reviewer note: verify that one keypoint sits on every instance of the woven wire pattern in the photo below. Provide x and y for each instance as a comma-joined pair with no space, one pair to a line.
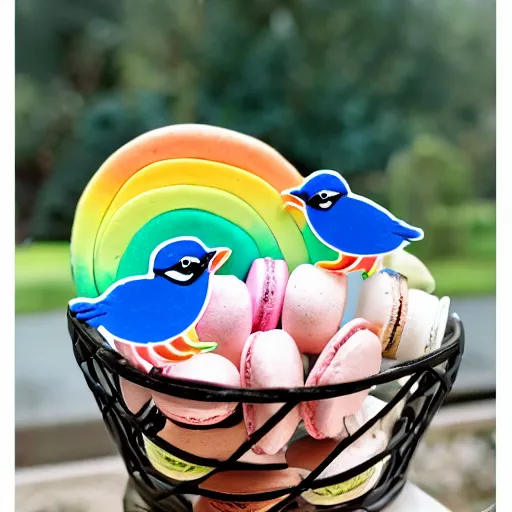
430,379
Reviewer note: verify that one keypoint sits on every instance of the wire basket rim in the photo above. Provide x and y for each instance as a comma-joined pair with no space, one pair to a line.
202,391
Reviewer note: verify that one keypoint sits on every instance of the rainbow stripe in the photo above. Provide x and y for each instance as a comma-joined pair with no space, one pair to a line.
195,180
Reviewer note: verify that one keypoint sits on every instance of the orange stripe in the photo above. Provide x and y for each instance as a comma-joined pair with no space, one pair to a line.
204,143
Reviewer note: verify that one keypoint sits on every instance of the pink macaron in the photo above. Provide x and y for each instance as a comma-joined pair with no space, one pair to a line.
353,353
227,319
210,368
266,282
271,359
135,397
313,307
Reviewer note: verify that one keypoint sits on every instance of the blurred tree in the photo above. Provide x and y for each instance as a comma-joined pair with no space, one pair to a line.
428,185
64,55
330,84
106,125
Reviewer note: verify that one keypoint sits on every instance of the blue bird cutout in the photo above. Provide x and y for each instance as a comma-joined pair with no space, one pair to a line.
161,307
353,225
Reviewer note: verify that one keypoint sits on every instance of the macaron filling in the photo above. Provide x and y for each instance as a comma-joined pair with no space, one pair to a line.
249,408
393,331
345,491
172,466
264,312
345,487
396,329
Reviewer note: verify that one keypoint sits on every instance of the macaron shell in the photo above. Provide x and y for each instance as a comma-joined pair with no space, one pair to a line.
439,330
210,505
135,397
313,306
210,368
266,282
217,443
421,320
246,482
417,274
308,453
249,482
262,367
228,317
383,302
358,357
370,408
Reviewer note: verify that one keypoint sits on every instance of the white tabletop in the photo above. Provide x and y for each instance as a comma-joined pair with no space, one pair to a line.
98,485
414,499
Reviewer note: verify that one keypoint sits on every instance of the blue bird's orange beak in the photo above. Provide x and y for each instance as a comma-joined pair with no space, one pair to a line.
220,256
293,199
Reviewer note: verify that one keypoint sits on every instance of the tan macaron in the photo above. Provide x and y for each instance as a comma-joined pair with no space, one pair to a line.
246,482
135,397
411,323
218,444
308,453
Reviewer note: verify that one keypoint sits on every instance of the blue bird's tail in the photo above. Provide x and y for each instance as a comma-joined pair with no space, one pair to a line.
87,311
407,232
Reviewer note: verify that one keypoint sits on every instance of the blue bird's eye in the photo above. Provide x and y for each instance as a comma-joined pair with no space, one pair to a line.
324,200
186,261
187,270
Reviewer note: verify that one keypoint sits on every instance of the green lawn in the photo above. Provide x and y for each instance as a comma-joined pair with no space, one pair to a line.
474,274
43,277
464,276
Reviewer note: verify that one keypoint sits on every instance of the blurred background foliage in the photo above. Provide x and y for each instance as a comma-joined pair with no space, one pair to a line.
398,95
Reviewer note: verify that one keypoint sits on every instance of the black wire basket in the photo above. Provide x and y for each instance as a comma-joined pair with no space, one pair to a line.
428,381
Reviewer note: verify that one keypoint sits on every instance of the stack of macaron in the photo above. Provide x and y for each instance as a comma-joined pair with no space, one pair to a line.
282,330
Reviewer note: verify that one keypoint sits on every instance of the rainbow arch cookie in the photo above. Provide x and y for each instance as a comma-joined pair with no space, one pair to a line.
218,185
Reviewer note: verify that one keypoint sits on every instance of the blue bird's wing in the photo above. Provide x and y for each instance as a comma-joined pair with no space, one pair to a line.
357,226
